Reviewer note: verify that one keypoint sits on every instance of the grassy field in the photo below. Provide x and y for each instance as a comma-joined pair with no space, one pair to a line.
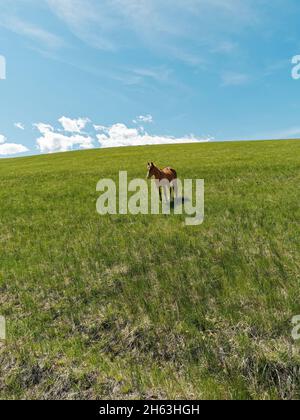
143,306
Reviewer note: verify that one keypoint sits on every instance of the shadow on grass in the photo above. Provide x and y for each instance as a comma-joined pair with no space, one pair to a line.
176,202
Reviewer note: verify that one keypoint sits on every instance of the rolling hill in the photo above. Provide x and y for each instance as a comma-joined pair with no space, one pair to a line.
143,306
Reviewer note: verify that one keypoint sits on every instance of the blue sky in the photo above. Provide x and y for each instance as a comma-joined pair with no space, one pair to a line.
101,73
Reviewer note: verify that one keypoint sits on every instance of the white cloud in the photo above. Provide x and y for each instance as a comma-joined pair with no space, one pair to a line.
73,125
146,119
176,27
225,47
20,126
161,74
87,20
29,30
293,132
119,135
53,141
288,133
235,79
44,128
99,127
9,149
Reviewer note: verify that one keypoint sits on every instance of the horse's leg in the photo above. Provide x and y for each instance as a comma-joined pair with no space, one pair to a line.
159,189
175,187
165,193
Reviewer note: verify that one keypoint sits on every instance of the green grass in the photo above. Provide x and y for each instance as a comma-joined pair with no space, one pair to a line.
143,306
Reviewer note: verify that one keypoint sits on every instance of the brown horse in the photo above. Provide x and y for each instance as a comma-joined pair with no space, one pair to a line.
167,174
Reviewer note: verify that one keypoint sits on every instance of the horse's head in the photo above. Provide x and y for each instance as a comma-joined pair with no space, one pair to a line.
151,169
